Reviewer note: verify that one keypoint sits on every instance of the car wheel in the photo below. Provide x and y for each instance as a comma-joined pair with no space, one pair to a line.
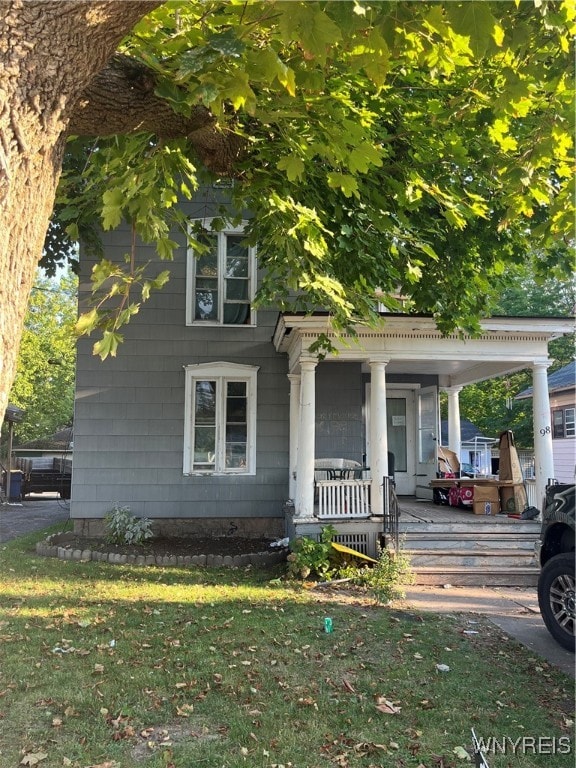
556,598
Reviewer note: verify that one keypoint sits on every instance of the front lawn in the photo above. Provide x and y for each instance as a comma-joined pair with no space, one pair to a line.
121,666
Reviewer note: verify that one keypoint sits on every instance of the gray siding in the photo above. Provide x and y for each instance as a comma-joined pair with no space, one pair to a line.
339,413
129,419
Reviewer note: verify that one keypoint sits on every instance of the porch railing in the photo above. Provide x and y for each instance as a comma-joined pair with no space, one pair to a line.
343,499
530,486
391,514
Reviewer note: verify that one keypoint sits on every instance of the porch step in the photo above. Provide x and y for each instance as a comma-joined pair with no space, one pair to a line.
482,541
482,552
477,526
492,576
471,558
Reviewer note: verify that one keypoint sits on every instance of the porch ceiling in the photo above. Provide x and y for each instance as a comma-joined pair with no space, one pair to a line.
413,345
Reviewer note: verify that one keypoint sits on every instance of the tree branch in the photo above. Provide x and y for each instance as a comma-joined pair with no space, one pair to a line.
121,99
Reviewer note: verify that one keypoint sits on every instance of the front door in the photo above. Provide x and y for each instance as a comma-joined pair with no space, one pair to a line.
400,407
427,440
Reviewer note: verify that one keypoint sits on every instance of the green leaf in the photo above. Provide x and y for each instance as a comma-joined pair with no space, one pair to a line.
108,344
87,322
314,29
294,167
363,157
344,181
372,54
113,201
227,43
475,21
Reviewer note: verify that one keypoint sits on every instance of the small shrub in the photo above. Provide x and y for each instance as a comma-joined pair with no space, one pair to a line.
124,528
387,578
313,558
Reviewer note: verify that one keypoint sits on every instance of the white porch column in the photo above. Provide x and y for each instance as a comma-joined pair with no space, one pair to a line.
306,439
294,425
454,432
543,459
378,433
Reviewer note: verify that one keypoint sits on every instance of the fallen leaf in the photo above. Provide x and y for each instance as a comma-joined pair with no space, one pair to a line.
33,758
462,754
107,764
348,686
386,706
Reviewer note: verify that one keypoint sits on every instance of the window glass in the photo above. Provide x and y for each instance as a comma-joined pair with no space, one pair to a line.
569,420
205,424
558,423
221,412
396,418
427,429
222,280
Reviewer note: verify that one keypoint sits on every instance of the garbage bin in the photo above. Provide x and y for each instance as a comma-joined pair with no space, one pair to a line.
16,476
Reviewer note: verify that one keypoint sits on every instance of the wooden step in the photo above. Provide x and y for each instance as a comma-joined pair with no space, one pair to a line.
485,525
458,541
479,577
471,558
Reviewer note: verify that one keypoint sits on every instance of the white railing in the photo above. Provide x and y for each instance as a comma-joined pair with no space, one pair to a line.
530,486
343,499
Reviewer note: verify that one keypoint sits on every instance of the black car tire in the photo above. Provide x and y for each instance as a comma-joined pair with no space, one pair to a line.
556,598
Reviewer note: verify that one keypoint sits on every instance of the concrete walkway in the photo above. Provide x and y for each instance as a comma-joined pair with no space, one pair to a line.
514,609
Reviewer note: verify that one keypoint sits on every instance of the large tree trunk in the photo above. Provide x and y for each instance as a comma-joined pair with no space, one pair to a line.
49,53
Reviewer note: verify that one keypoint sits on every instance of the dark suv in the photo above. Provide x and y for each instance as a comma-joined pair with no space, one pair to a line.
556,581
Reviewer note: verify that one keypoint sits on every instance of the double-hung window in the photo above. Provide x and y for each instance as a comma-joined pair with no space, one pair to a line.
563,422
220,416
221,279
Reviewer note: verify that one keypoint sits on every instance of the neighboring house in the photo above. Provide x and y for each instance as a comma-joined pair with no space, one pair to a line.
58,445
562,394
475,449
213,414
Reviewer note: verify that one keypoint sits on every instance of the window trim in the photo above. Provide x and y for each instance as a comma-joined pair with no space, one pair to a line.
191,263
222,372
565,423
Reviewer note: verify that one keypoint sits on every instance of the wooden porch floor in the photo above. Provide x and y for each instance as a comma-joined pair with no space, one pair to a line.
413,510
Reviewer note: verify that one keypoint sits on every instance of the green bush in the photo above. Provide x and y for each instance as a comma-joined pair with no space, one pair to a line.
124,528
313,558
386,579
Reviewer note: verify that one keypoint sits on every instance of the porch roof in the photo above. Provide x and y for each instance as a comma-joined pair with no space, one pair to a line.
412,344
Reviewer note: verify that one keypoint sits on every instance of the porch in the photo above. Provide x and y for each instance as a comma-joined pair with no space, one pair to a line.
446,545
376,395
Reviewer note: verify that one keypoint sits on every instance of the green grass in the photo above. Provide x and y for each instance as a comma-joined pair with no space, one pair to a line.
121,666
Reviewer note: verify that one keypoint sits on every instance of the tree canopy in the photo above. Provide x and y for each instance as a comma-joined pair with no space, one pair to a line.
44,383
413,148
392,147
490,405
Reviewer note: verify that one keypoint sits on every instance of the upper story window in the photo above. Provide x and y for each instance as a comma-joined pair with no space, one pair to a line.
220,419
221,281
563,424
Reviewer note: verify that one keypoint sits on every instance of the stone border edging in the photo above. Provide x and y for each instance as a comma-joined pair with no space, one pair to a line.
53,547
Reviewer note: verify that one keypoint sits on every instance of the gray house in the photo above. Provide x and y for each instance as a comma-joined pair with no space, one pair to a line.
215,416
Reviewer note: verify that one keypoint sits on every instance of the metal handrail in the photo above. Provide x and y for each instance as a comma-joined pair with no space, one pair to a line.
391,512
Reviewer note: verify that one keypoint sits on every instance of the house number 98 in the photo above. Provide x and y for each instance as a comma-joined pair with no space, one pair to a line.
545,431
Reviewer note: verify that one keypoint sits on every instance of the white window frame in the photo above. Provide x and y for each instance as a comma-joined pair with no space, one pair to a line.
221,372
568,422
192,263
